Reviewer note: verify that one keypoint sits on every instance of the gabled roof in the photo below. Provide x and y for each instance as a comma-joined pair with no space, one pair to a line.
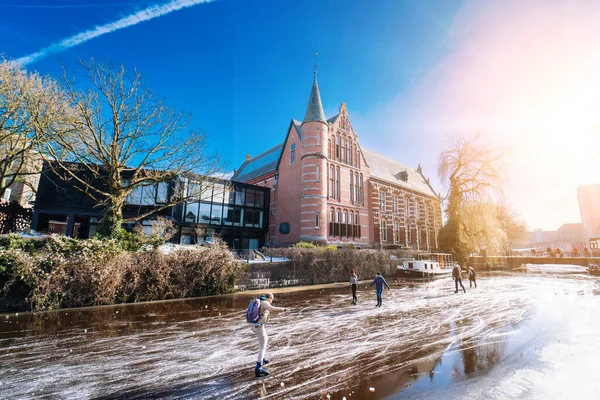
398,174
259,165
333,119
314,110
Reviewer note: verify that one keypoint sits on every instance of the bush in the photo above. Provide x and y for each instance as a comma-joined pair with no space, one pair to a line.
56,272
324,265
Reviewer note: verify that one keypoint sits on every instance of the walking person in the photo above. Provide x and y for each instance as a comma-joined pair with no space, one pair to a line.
354,286
258,315
379,282
472,277
457,275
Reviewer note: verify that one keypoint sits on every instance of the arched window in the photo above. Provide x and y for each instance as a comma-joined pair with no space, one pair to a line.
349,152
351,186
331,180
356,187
293,153
343,149
351,218
362,192
331,215
339,216
345,217
337,147
383,230
337,183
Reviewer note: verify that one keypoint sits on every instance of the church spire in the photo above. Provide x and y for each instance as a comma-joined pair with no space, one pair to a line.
314,111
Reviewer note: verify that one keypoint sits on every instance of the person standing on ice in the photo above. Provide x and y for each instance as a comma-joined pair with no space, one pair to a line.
457,275
472,277
354,285
258,316
379,282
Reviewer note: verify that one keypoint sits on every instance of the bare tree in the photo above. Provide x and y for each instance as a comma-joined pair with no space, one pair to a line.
127,139
29,104
472,171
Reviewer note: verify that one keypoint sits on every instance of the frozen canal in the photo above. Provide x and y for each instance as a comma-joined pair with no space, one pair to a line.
517,336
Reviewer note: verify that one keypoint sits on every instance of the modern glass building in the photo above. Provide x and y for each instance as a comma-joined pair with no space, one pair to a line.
237,212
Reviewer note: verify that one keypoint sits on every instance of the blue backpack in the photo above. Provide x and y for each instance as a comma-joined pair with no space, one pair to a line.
253,313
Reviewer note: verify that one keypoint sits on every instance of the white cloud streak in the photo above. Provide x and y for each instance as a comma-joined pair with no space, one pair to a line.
146,14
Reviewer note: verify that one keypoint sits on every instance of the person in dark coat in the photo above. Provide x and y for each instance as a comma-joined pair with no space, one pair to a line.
457,275
472,277
379,282
354,285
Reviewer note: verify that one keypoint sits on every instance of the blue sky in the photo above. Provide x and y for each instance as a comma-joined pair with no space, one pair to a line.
410,72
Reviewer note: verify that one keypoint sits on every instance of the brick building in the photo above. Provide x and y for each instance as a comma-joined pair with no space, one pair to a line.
326,188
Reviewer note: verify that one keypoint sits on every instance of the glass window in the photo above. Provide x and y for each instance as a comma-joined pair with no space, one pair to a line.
204,213
382,201
240,195
317,220
337,184
228,215
293,153
331,215
351,218
362,192
331,185
345,217
417,214
258,219
218,193
135,196
260,199
229,196
356,187
148,195
215,214
383,231
406,207
395,204
343,149
248,217
250,197
351,186
162,192
396,228
339,216
191,212
194,190
238,214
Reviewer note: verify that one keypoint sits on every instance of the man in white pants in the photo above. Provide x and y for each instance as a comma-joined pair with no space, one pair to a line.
259,330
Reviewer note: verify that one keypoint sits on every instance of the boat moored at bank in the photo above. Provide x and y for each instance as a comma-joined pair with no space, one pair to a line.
429,265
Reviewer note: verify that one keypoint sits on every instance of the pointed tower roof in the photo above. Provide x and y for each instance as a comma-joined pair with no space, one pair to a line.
314,111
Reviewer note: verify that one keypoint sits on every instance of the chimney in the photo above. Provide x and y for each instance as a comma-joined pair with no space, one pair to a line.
248,157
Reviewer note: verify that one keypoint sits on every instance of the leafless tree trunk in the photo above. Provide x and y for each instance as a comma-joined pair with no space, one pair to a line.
127,139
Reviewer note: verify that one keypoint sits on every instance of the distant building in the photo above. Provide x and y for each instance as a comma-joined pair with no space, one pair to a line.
589,207
326,188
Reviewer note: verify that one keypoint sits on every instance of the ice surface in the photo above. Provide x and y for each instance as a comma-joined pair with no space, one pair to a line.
538,331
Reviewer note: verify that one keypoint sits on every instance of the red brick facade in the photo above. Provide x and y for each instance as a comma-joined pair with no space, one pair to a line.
325,188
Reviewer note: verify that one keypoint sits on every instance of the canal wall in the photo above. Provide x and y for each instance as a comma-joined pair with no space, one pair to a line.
491,262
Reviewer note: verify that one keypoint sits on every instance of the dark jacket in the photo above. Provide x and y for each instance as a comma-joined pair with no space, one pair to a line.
379,282
456,272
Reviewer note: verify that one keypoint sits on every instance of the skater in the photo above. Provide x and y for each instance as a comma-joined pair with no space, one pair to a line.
379,281
472,276
258,316
456,274
354,285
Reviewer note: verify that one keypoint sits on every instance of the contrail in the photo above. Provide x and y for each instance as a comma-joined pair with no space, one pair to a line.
130,20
